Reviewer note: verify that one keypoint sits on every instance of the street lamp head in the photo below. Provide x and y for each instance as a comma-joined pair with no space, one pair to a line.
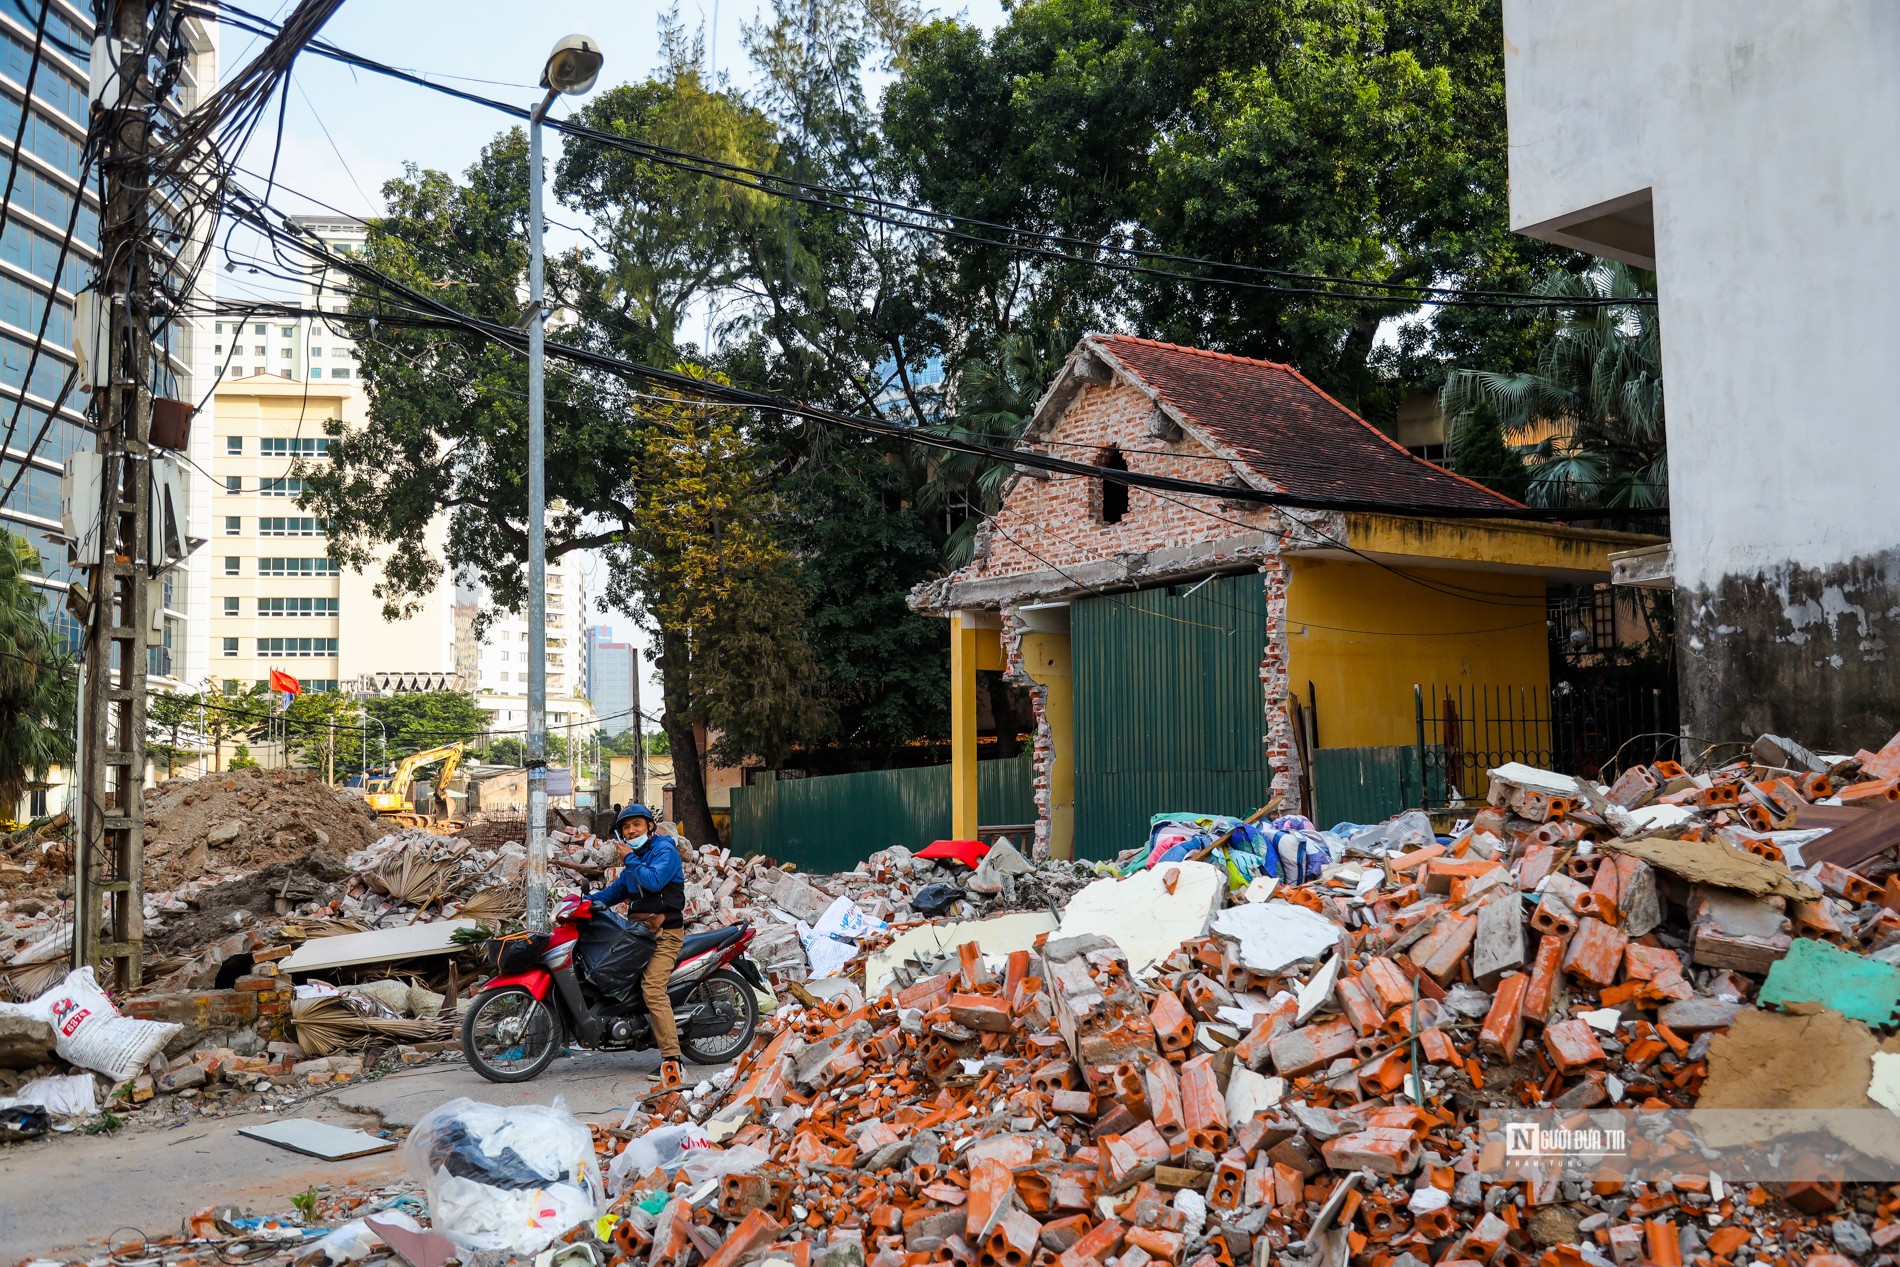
572,66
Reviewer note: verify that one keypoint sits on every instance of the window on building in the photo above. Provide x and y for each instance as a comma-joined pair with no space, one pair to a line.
234,483
217,349
230,565
280,486
234,445
36,802
290,526
296,607
220,327
1114,496
231,648
287,331
316,351
237,371
230,606
320,684
337,373
294,446
233,526
316,371
258,329
296,648
296,567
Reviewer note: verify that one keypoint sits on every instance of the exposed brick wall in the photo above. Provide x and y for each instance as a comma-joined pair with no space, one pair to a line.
1059,518
1283,754
260,1003
1043,755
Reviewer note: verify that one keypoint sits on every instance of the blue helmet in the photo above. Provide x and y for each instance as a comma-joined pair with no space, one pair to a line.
636,811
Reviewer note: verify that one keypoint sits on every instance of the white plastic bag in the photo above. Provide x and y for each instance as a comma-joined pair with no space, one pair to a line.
505,1177
89,1032
665,1148
356,1240
71,1096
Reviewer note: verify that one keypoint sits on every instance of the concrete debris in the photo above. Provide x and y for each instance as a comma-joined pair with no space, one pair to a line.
1227,1066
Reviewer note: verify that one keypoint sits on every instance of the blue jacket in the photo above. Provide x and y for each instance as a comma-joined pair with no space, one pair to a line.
652,881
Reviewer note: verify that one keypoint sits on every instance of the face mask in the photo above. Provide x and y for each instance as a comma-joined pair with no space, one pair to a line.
636,842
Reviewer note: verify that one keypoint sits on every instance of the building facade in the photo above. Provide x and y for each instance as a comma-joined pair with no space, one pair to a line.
613,680
1743,150
497,667
1200,652
43,417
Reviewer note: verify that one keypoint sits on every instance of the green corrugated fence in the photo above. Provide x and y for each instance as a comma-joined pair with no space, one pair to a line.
835,822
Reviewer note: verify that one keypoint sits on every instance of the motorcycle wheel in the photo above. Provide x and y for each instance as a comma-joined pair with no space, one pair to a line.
508,1035
727,991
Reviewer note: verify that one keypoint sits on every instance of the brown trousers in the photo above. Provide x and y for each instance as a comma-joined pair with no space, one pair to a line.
666,954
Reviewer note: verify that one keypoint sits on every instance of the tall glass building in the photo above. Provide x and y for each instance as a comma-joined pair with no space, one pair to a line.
45,177
42,140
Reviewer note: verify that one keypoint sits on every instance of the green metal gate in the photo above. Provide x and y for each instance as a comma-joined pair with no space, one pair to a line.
1365,785
836,821
1169,711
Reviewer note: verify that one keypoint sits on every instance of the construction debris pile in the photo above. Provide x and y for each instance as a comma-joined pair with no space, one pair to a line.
1248,1042
1309,1074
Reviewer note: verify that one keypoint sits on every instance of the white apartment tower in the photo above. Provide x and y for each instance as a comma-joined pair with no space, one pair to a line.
497,662
278,600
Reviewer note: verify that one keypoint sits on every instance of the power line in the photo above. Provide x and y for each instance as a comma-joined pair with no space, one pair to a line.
446,316
883,210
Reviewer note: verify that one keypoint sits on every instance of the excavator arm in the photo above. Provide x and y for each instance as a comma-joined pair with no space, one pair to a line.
395,800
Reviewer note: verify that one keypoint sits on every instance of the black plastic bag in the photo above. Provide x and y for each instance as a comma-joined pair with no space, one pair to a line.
614,954
24,1121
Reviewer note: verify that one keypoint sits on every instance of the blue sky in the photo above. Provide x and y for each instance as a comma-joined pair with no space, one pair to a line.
375,124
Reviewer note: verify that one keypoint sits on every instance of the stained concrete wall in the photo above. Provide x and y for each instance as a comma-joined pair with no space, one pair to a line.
1759,137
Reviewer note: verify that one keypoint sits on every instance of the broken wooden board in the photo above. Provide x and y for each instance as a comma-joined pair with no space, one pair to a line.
318,1139
1870,833
1720,865
380,945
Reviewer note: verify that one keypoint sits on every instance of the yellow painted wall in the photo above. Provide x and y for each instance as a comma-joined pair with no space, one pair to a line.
1404,633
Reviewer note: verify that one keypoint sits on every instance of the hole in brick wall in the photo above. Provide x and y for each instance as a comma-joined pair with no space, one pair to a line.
1114,495
230,970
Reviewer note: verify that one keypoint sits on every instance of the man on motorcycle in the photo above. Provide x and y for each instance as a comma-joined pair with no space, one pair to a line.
653,885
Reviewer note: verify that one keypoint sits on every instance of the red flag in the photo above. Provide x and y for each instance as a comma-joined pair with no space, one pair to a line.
282,681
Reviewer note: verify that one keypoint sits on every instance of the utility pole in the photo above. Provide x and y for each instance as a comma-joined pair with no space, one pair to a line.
108,899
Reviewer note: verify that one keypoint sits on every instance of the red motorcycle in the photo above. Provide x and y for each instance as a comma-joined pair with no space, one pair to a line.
544,998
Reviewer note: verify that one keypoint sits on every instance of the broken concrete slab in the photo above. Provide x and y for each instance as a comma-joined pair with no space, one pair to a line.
1273,935
997,936
1149,914
382,945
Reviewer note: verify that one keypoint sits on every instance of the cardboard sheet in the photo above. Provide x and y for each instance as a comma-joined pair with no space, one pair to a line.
1713,863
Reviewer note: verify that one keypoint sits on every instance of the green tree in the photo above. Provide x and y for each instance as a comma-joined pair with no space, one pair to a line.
241,758
1356,138
716,586
624,744
1587,422
1480,451
37,685
504,750
231,710
323,730
173,722
427,719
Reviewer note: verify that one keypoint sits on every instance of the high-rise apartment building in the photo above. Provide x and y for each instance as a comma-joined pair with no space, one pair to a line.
499,666
613,680
279,600
42,419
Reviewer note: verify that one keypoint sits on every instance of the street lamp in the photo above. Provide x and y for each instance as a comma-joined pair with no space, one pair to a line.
571,69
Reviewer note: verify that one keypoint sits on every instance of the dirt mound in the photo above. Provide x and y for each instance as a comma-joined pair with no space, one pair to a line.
316,876
247,820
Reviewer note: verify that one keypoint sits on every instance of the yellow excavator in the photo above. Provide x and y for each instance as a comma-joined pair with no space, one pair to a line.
390,797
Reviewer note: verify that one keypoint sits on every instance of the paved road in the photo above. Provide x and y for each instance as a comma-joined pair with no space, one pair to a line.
70,1192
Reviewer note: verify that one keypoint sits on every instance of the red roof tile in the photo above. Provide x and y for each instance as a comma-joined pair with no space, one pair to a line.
1302,440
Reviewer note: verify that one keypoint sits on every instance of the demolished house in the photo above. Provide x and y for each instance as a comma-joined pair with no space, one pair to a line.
1186,650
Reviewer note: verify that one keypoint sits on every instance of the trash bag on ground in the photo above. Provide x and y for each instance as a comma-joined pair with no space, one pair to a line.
505,1177
614,954
89,1032
664,1148
23,1121
74,1095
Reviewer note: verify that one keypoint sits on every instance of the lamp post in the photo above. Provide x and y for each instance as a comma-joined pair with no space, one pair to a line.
571,69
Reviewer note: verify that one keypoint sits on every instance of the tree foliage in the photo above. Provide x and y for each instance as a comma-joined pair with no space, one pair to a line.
1587,421
426,719
38,689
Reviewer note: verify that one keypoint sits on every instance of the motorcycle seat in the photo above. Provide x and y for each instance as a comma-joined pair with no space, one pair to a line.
699,943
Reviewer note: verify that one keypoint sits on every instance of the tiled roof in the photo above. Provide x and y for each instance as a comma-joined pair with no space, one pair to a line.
1302,440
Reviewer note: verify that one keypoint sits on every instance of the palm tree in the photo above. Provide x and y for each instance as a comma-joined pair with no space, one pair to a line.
37,684
1588,421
